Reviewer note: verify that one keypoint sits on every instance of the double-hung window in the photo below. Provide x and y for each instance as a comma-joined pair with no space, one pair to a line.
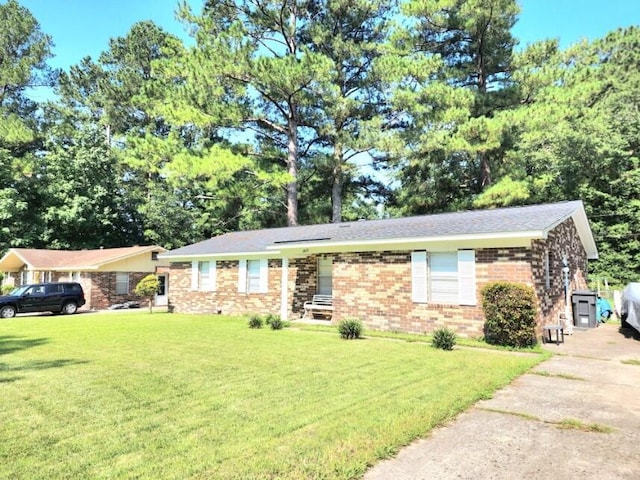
325,277
203,276
122,283
253,276
444,277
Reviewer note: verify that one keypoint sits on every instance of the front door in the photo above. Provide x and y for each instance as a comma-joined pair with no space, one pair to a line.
161,296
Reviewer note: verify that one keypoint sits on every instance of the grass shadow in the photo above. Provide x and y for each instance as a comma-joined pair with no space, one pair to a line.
11,343
34,366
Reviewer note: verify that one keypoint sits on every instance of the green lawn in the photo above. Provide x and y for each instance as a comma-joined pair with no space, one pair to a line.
133,395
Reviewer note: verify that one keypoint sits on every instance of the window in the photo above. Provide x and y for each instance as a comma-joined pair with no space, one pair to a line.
122,283
253,276
444,277
203,276
154,256
325,281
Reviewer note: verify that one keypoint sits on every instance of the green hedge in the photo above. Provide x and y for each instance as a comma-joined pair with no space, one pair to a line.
510,313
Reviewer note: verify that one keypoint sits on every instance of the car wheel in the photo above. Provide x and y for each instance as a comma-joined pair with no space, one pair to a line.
69,308
7,312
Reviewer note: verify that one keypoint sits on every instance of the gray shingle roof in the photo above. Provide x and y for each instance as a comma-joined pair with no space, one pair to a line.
507,221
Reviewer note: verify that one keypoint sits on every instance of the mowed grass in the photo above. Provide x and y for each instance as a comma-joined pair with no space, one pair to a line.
175,396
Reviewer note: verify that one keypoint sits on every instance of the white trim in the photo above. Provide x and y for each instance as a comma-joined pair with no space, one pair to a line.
467,277
419,277
213,276
530,234
264,275
284,289
242,275
195,273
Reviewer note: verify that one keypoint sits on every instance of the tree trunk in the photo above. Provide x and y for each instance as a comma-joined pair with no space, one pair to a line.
485,171
292,167
336,187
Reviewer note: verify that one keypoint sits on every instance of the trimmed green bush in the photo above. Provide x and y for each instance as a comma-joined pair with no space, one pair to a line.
350,329
510,313
444,338
275,322
255,321
6,289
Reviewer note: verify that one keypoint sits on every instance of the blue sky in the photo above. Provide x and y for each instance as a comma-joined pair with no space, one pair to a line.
84,27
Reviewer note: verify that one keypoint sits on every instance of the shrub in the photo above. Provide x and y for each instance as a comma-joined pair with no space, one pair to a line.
255,321
275,322
510,314
444,338
350,329
6,289
148,287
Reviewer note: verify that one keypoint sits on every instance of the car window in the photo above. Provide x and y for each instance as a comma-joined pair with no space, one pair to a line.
19,291
54,288
72,288
36,290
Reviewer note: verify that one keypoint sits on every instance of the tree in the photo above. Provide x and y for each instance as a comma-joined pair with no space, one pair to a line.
579,137
24,49
350,104
458,120
249,72
148,288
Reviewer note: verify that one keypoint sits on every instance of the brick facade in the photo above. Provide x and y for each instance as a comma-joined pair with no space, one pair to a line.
376,287
99,287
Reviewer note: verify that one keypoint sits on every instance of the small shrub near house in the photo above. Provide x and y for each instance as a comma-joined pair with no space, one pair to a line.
275,322
444,338
350,329
6,289
148,287
255,321
510,313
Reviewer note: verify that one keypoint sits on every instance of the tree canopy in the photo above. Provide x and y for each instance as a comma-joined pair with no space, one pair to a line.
286,112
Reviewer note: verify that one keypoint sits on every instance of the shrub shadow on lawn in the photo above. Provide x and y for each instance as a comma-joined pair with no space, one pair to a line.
11,343
35,365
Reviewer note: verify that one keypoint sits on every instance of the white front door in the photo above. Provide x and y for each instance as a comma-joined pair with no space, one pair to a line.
161,296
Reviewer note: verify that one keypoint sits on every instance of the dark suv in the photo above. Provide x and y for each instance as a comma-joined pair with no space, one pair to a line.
63,297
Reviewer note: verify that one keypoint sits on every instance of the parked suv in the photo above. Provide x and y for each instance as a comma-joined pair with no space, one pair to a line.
62,297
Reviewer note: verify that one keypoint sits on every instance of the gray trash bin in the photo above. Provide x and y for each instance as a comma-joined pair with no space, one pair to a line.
584,308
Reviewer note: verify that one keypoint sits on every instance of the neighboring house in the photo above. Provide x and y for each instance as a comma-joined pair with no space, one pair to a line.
407,274
107,275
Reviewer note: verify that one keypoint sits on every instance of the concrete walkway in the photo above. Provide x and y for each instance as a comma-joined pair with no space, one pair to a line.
518,435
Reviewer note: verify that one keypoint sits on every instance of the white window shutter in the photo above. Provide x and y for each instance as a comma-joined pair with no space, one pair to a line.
194,275
419,277
264,275
212,276
467,277
242,276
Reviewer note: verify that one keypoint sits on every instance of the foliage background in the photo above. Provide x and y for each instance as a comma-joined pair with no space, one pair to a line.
267,116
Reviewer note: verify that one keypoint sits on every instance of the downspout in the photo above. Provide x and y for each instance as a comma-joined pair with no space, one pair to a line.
567,311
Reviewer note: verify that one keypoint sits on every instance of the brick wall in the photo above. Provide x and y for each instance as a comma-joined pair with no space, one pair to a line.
100,287
376,286
100,290
226,299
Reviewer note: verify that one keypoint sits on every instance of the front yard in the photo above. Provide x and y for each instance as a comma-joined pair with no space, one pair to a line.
173,396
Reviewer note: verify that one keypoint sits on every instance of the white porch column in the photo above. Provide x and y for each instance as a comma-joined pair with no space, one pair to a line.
284,289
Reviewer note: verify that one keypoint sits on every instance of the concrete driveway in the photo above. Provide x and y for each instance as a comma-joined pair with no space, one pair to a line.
576,415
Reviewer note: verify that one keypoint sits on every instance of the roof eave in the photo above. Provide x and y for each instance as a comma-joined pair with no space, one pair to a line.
215,256
530,234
